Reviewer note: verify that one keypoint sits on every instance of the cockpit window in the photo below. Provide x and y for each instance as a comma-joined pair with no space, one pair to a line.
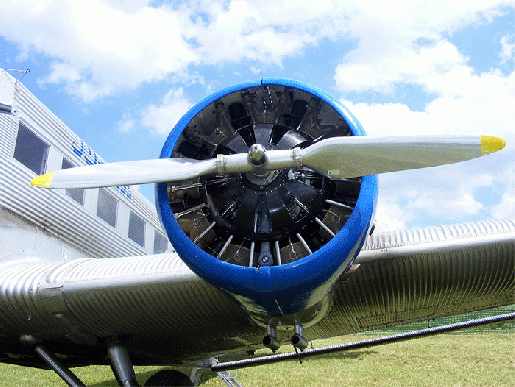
30,150
107,207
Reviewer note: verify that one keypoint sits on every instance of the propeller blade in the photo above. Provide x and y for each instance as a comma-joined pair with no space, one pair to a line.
337,157
126,173
346,157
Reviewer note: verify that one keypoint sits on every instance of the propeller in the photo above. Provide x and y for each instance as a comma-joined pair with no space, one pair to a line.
336,158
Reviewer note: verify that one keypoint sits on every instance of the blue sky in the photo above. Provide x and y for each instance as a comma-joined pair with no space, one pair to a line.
120,74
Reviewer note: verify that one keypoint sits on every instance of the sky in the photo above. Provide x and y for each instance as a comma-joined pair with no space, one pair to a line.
121,74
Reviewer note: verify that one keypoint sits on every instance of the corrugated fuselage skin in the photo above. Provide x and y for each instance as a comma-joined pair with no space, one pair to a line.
298,291
51,217
166,313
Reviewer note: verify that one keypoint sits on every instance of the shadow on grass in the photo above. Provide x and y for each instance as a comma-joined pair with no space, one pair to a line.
207,374
344,355
142,377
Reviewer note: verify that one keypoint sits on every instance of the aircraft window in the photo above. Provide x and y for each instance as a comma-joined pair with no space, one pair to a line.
160,243
106,207
137,229
30,150
5,108
76,194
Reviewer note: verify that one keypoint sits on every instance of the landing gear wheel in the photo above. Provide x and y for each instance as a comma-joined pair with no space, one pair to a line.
168,378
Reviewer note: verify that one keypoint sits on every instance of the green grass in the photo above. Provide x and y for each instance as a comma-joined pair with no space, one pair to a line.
446,360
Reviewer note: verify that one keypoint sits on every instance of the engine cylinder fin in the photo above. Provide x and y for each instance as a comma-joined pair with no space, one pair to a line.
191,150
242,123
277,133
296,114
230,208
249,99
268,100
223,150
309,124
290,140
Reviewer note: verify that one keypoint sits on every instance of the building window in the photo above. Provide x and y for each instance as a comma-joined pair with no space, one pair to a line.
30,150
137,229
76,194
106,207
160,243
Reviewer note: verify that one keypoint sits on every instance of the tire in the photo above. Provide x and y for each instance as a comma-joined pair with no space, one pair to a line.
168,378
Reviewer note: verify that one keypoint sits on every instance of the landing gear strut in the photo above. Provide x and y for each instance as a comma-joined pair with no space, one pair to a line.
122,366
60,369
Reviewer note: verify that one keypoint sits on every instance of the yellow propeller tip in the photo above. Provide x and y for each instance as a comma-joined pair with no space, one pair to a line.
43,180
490,144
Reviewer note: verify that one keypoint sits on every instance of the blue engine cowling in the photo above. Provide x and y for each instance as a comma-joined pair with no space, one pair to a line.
278,242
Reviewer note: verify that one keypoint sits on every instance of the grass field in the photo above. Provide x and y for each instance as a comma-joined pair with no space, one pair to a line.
475,359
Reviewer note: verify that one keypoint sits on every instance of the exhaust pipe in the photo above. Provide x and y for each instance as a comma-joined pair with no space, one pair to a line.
298,340
270,340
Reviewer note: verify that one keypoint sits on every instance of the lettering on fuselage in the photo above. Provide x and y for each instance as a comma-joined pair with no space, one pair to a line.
91,158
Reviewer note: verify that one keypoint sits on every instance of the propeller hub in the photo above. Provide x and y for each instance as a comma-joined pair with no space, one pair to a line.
257,155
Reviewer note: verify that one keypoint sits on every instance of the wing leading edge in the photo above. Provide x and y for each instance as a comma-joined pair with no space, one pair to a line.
168,314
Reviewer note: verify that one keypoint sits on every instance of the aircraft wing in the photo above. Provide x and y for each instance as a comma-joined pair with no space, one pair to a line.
425,273
165,313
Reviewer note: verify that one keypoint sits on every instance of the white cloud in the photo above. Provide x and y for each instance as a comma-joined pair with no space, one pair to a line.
403,43
126,125
407,63
448,193
106,46
468,103
101,49
507,53
506,207
161,119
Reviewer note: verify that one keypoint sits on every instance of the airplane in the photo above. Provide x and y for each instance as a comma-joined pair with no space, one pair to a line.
263,236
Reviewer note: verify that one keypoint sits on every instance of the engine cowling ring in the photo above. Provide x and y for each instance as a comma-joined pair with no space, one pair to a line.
289,288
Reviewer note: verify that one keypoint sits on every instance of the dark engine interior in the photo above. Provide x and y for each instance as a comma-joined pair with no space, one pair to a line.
272,218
